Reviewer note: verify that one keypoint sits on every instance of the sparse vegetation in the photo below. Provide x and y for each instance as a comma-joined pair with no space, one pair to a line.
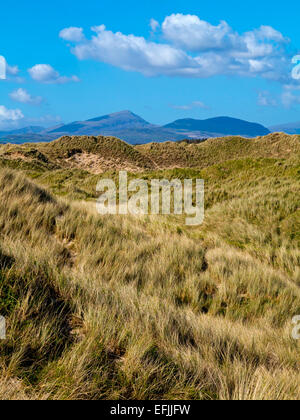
145,307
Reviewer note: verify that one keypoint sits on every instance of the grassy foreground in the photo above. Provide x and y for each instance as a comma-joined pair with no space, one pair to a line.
144,307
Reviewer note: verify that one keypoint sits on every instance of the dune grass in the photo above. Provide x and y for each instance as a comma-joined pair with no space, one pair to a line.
145,307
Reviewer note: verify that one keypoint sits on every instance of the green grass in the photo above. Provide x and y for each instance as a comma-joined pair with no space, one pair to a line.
102,307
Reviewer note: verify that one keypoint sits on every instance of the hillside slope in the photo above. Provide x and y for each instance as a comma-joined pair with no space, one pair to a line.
94,126
144,307
93,154
125,124
99,154
223,125
216,150
135,130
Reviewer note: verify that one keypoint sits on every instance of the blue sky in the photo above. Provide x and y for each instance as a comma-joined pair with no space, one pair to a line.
161,59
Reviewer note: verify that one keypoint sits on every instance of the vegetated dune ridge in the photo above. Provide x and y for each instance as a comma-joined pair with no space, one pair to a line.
94,154
101,154
144,307
216,150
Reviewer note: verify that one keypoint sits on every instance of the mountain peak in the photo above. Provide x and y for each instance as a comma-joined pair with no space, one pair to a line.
121,115
105,124
132,128
125,112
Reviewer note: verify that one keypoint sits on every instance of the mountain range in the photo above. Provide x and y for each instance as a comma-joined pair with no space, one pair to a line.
135,130
291,128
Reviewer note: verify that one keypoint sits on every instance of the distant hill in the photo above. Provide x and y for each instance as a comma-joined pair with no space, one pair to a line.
125,125
25,130
29,134
135,130
117,121
25,138
291,128
224,126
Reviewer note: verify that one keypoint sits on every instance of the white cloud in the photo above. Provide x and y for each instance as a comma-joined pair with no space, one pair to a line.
289,99
9,117
133,53
267,32
72,34
266,99
12,73
12,70
193,34
192,48
293,85
44,73
195,104
154,25
288,96
10,114
21,95
12,119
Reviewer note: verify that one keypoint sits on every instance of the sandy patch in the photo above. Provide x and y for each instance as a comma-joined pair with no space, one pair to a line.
96,164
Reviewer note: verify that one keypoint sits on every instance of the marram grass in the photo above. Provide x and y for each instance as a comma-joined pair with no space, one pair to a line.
145,307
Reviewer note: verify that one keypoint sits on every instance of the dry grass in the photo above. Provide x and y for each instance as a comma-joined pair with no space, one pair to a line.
216,150
101,154
92,154
146,308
